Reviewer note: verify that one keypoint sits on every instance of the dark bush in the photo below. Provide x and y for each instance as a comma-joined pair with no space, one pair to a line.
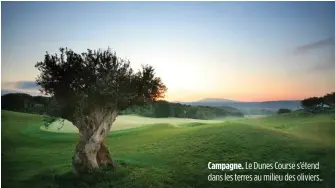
283,111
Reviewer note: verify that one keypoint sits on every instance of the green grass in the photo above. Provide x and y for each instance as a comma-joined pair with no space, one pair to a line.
165,155
128,122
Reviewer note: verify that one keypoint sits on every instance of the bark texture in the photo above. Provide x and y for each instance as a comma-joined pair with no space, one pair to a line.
91,153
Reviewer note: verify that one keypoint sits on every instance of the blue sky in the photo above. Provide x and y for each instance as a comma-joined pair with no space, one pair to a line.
247,51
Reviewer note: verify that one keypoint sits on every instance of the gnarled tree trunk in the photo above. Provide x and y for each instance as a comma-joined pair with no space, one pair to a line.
91,153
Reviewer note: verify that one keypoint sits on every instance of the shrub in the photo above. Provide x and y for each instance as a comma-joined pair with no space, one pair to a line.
283,111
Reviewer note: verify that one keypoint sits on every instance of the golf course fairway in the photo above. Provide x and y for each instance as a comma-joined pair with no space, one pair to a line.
165,155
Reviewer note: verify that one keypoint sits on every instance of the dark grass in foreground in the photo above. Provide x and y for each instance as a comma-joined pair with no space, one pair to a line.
169,156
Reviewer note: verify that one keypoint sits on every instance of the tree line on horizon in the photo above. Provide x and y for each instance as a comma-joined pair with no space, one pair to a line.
314,103
22,102
326,101
162,108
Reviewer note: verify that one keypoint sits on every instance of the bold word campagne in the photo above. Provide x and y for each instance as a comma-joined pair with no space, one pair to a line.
262,166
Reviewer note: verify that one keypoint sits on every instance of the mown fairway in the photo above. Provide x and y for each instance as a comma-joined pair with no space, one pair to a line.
126,122
165,155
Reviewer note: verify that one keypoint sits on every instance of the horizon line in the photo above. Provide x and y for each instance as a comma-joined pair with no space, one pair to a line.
5,92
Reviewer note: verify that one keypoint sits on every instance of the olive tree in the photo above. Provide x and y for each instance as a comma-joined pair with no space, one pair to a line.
90,89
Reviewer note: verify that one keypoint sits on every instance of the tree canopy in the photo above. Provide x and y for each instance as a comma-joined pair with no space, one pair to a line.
319,102
312,102
329,99
96,79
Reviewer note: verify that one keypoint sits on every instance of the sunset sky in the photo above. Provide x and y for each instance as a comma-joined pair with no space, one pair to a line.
243,51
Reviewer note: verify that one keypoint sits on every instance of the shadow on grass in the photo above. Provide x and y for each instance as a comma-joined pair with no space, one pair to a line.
106,177
193,124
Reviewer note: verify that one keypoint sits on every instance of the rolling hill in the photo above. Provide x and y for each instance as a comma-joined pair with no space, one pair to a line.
249,108
163,155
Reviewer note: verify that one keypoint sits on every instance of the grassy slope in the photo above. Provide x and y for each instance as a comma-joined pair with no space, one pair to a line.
168,156
129,121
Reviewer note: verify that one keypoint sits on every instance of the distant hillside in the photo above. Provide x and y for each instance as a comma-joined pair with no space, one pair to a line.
21,102
168,109
272,105
292,104
215,100
36,104
257,108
